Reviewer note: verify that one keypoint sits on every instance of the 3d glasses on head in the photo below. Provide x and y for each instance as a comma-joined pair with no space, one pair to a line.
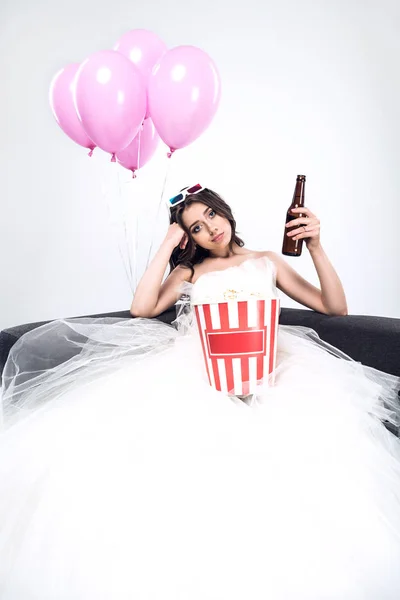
175,200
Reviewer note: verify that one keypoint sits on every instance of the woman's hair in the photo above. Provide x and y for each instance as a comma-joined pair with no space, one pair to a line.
194,254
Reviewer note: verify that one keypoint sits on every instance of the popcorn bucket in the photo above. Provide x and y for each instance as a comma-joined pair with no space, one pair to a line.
239,341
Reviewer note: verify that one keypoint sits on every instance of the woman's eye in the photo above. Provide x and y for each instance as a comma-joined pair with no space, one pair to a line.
196,229
211,213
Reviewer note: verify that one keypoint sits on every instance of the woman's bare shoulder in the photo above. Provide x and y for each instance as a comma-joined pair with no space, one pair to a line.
271,255
181,273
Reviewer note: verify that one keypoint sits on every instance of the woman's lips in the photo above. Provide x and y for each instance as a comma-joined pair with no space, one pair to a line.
219,237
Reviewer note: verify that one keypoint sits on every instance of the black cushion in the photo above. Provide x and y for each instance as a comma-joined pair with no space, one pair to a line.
374,341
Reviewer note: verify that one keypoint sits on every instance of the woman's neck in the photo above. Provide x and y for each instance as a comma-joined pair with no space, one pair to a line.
230,251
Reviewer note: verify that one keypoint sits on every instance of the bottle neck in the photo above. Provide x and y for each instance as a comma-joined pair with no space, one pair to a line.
298,196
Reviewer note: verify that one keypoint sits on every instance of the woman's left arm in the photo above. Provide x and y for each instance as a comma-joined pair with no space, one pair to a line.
330,299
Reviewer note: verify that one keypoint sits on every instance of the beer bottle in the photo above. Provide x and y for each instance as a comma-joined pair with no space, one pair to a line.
290,246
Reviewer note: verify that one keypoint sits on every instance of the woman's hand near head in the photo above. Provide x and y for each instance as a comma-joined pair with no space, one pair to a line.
176,236
152,296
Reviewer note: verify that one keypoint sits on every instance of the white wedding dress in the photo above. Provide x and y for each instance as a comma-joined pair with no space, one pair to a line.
124,475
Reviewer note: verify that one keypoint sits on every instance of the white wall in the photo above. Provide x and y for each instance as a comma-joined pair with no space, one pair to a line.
308,87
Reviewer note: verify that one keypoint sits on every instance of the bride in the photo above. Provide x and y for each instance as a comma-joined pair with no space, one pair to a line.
125,475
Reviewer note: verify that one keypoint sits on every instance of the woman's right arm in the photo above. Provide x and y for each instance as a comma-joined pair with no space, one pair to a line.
152,296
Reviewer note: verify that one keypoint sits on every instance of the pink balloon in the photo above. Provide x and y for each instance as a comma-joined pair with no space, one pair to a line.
144,48
110,99
141,149
184,93
62,105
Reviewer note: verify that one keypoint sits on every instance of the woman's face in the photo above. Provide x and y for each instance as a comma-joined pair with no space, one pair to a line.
208,229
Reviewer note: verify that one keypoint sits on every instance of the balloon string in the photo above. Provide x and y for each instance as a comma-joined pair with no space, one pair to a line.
136,217
158,209
108,205
127,243
138,152
136,238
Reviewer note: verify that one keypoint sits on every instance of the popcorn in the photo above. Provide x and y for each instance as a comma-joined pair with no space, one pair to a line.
241,295
238,339
227,295
237,313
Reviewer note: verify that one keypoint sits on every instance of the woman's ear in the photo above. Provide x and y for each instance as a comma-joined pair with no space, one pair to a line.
184,242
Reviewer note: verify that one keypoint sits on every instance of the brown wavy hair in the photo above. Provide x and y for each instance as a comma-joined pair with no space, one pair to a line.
194,254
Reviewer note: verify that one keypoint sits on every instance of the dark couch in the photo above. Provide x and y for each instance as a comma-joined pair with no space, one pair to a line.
374,341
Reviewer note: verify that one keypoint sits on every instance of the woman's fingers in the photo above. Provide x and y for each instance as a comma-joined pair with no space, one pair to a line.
301,233
307,226
304,210
301,221
302,225
297,231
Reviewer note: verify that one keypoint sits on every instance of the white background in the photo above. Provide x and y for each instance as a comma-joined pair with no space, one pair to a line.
307,88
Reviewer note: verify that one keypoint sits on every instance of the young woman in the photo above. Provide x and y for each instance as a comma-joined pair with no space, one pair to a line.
202,238
124,474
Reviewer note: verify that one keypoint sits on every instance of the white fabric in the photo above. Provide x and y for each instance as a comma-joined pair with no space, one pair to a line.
124,475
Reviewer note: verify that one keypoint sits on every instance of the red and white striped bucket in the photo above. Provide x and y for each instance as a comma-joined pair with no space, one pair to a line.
239,341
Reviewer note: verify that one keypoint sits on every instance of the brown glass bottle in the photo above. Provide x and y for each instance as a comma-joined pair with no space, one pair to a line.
290,246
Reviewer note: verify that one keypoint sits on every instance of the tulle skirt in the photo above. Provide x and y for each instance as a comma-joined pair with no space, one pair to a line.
123,474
